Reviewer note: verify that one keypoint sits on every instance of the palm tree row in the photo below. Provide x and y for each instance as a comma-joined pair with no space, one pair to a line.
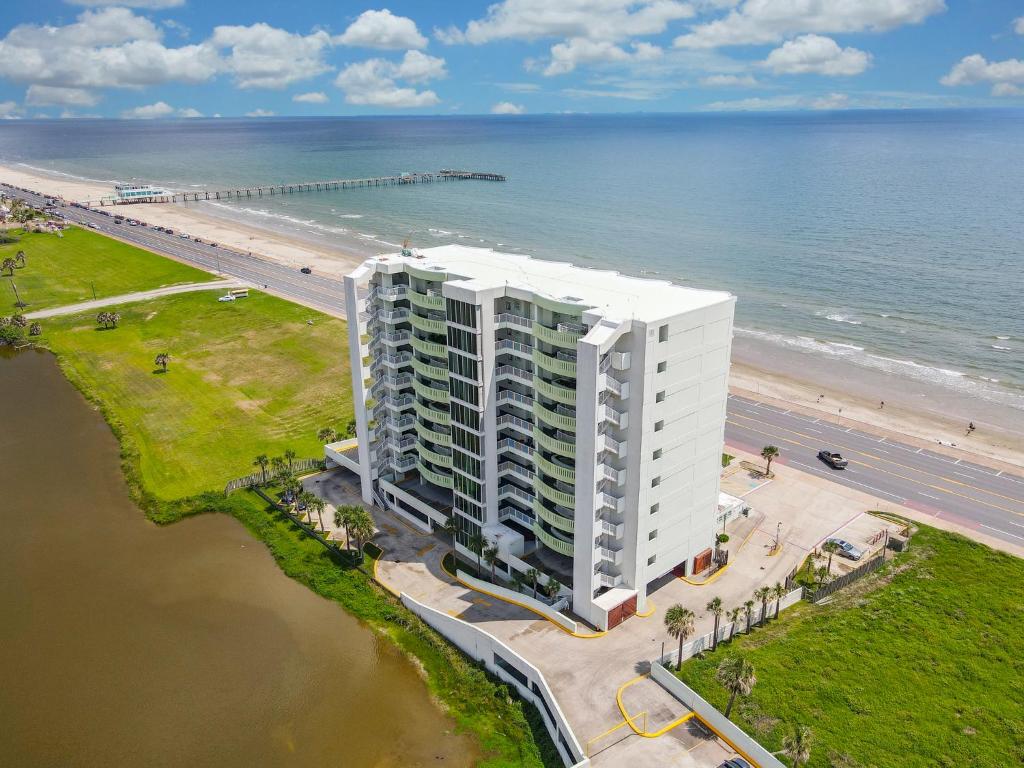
358,525
330,434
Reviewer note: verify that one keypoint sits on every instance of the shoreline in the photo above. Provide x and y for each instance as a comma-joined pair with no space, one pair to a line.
936,417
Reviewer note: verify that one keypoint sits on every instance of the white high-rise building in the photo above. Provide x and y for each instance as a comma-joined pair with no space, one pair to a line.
571,417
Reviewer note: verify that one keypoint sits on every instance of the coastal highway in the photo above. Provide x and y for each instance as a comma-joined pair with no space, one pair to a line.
973,495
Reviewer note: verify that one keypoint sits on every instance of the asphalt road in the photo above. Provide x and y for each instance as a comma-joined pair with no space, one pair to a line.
973,495
969,494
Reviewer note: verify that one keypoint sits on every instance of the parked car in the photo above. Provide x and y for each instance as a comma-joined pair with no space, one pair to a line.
92,224
833,459
227,297
735,762
847,550
213,245
306,270
183,236
169,231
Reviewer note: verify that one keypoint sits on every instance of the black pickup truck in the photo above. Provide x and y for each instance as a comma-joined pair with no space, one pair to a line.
833,459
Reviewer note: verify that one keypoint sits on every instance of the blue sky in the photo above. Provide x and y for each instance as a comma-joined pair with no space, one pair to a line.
191,58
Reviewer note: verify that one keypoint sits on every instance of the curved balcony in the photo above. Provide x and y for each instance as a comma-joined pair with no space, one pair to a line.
554,519
562,420
428,324
430,371
434,301
566,335
425,432
555,364
552,542
555,469
553,444
431,414
554,391
429,348
445,481
435,458
436,394
551,493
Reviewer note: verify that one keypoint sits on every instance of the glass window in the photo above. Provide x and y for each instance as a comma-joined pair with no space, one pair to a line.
462,313
468,393
462,366
462,340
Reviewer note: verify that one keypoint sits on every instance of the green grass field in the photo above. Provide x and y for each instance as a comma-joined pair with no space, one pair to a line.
245,378
921,664
64,270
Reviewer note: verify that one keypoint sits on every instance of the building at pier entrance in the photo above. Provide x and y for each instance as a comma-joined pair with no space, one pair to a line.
571,418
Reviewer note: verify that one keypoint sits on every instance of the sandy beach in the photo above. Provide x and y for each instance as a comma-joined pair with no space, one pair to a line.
916,412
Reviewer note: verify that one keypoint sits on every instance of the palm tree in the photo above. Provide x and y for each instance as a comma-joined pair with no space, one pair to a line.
317,505
715,608
831,547
350,428
768,453
476,543
749,608
362,528
679,624
8,266
822,575
19,321
552,588
491,558
734,617
533,574
778,592
103,318
35,329
277,464
736,675
344,517
327,435
262,461
289,456
161,360
115,318
19,259
450,527
291,486
518,580
763,594
796,745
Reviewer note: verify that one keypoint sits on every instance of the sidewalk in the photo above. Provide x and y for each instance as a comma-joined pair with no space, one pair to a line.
129,298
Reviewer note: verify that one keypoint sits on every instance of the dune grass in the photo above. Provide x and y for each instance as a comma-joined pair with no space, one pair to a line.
245,377
65,270
920,664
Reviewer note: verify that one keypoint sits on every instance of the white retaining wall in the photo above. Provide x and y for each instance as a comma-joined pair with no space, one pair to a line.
527,679
726,629
519,597
725,728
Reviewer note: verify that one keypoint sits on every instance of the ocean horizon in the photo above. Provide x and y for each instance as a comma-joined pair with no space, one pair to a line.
890,241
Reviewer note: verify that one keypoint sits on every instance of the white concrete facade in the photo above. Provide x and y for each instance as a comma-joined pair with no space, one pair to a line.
571,418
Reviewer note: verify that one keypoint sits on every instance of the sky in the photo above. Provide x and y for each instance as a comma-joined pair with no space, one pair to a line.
152,59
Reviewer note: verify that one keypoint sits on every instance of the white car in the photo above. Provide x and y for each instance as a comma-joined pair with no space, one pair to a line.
227,297
183,236
92,225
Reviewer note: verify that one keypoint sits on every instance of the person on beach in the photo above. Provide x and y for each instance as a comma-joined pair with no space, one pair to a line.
820,398
970,427
881,405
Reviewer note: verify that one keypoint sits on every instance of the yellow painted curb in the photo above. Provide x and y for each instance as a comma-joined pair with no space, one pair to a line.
629,719
721,570
376,577
522,605
649,612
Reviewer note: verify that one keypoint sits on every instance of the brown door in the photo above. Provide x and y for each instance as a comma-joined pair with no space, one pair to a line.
702,561
621,612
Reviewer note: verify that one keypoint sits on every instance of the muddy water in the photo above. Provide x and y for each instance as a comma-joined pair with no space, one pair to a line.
124,644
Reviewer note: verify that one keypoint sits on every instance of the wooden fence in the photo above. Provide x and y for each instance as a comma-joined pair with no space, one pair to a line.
845,580
298,466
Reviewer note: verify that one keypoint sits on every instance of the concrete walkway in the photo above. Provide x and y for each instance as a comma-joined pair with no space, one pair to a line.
128,298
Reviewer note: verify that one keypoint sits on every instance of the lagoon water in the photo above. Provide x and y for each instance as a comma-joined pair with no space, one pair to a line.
891,242
124,644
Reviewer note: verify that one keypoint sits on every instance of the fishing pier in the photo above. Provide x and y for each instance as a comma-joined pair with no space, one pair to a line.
446,174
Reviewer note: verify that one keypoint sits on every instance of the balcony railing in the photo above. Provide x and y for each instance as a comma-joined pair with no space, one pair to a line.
430,348
434,436
559,363
508,396
563,418
430,371
508,444
562,443
554,519
616,476
555,391
434,457
514,347
394,361
428,300
394,338
514,513
432,414
508,420
516,469
399,424
519,493
558,337
508,318
514,372
429,324
389,293
605,501
608,580
615,530
398,403
613,556
554,469
402,463
444,481
553,542
618,418
550,492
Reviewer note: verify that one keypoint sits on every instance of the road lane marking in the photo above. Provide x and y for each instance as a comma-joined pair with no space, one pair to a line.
928,496
1000,530
896,474
898,464
819,473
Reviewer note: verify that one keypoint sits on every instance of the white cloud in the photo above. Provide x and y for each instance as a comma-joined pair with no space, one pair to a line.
154,5
260,113
1018,25
315,97
831,101
105,48
613,20
816,54
53,96
262,56
769,21
382,29
729,81
1005,76
149,111
189,112
565,57
754,104
508,108
519,87
374,82
10,110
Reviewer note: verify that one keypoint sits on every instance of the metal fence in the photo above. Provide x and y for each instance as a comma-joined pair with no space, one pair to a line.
256,478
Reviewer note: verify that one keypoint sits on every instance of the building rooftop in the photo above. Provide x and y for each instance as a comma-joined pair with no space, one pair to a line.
613,294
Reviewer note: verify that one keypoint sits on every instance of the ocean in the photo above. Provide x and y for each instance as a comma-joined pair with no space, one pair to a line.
889,241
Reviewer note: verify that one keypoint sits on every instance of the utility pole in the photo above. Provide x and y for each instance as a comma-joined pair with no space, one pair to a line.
93,290
18,302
